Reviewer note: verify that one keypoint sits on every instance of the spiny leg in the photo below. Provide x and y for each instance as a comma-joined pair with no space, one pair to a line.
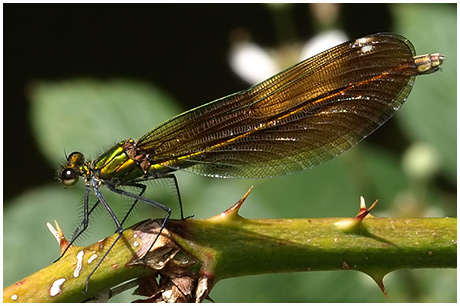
119,230
84,224
118,224
143,188
150,202
176,185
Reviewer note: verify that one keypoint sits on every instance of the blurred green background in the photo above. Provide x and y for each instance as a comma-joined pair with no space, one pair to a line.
81,77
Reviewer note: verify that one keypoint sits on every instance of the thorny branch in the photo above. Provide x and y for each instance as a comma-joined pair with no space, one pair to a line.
191,256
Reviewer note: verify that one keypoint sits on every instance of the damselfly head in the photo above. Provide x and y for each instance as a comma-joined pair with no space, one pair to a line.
71,170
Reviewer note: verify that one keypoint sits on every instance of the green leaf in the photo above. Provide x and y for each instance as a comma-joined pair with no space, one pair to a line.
89,115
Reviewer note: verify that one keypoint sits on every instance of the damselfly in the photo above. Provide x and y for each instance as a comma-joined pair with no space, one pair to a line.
295,120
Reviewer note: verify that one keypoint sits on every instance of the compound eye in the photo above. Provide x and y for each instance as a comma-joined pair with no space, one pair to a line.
69,177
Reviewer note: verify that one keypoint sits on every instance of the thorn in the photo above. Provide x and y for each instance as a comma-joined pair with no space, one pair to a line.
58,234
355,224
382,287
363,211
235,208
378,278
233,211
54,232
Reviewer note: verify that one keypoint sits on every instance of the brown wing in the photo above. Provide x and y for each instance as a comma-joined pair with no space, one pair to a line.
295,120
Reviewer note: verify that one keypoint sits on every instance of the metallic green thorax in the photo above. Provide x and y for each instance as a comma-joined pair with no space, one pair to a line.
122,164
116,165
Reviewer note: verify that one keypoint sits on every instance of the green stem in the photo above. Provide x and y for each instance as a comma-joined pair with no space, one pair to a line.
248,247
192,255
